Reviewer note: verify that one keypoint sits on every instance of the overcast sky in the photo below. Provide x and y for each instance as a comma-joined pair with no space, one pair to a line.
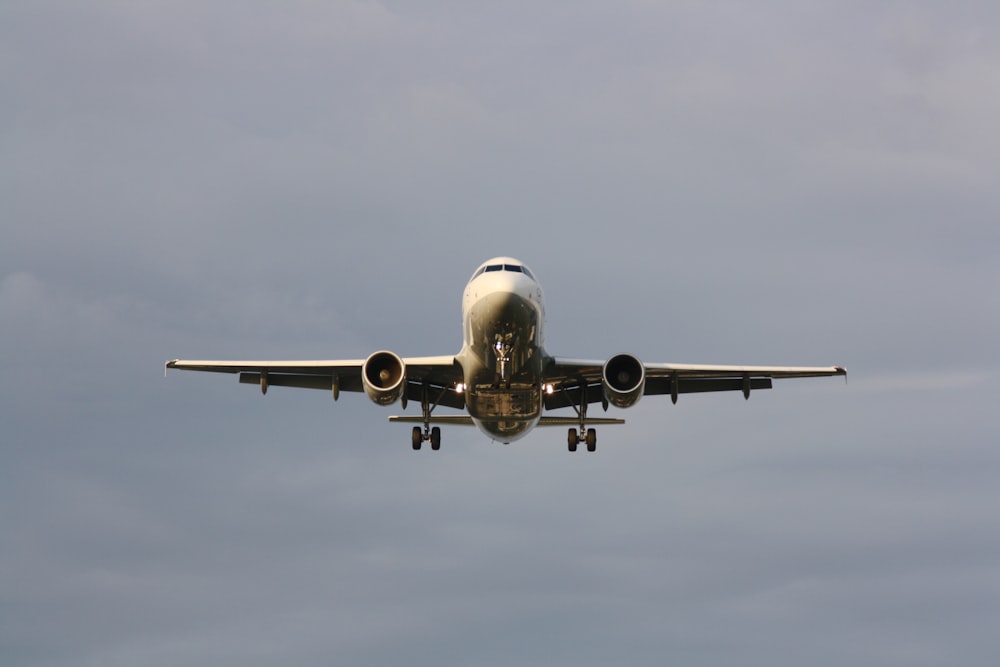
719,182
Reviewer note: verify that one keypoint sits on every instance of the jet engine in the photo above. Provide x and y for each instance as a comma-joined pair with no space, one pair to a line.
384,377
624,379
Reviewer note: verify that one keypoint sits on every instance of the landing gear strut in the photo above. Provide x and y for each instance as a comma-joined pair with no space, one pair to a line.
433,435
590,437
587,435
503,345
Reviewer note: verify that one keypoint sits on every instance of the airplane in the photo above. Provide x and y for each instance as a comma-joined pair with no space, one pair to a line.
503,378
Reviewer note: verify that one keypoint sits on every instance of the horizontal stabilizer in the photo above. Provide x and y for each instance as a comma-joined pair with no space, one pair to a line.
461,420
574,421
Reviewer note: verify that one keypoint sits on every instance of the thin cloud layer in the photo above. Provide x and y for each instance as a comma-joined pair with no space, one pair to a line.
801,183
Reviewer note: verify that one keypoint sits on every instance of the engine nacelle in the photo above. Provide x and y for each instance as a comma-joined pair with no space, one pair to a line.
384,377
624,379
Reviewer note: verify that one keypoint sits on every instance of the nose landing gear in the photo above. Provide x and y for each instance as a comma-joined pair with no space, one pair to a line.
503,346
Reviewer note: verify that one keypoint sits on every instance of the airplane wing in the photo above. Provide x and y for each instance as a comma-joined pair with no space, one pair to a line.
571,377
438,374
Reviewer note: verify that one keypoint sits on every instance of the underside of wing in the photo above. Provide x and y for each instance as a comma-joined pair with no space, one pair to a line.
436,377
577,381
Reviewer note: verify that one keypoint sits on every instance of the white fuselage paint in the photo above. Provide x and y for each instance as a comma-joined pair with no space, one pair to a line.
502,357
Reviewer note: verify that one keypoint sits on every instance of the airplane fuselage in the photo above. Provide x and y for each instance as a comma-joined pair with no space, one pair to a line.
502,357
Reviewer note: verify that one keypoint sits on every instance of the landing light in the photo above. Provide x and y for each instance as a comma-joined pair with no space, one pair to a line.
460,387
549,389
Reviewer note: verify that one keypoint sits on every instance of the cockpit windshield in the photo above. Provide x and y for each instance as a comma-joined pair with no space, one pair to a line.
513,268
503,264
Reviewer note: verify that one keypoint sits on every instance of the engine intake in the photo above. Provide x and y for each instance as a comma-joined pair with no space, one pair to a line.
624,379
384,377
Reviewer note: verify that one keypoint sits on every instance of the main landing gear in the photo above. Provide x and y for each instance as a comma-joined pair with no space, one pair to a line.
585,435
433,435
590,438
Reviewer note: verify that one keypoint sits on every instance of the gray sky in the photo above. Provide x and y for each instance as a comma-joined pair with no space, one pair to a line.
718,182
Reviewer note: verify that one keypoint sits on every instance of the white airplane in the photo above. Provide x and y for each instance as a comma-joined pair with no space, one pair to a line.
503,378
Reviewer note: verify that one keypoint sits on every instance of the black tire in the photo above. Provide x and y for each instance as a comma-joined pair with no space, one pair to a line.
418,437
591,440
572,440
435,438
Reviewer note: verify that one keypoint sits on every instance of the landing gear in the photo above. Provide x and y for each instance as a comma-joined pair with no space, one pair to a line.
508,350
433,435
574,438
504,343
419,435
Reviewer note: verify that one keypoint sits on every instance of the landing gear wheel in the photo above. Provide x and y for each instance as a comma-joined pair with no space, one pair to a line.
591,440
418,437
435,438
572,440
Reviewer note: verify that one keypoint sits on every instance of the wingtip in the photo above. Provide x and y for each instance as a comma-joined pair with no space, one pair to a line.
841,370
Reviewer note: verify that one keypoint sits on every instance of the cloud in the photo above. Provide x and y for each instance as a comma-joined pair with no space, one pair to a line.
697,182
930,381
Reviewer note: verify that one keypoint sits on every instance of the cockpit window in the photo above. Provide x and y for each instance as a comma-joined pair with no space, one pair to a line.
513,268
